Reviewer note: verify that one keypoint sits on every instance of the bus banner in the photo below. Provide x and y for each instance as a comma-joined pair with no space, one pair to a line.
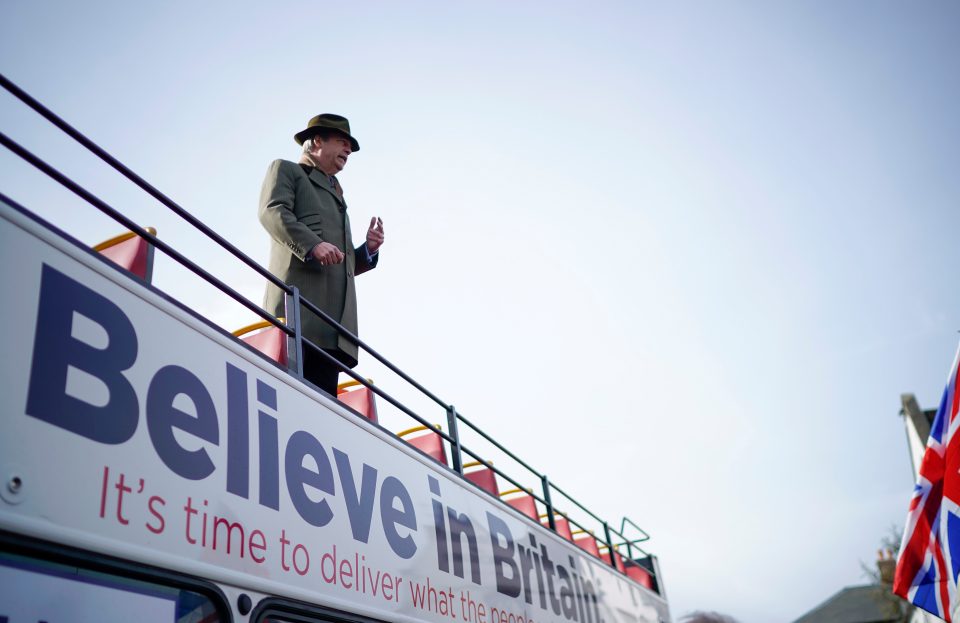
133,428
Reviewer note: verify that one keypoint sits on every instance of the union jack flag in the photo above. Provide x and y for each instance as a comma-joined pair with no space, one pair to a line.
929,560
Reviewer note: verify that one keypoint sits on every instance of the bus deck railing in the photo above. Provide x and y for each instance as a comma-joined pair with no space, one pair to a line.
612,538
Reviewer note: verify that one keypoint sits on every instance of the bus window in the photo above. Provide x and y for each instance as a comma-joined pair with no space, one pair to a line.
275,610
32,589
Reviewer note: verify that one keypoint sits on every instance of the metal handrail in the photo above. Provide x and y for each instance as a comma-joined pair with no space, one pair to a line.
124,170
497,445
101,153
183,260
368,349
452,437
623,530
101,205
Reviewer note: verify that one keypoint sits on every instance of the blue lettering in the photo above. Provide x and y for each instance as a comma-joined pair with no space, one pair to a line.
183,425
55,350
300,445
269,462
502,543
359,507
269,448
162,418
460,525
392,489
238,433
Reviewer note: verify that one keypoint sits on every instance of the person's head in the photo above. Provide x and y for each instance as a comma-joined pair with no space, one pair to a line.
328,150
327,143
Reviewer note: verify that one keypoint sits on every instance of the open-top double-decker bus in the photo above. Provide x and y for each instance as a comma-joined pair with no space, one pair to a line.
156,467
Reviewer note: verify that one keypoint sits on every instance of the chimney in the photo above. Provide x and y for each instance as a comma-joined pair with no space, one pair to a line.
886,565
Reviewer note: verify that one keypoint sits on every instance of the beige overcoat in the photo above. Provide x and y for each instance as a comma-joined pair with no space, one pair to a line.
300,211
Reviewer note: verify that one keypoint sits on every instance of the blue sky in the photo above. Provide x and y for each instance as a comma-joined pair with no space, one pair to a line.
683,256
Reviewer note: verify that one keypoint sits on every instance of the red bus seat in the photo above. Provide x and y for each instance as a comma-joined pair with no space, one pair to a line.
483,477
522,501
562,523
605,557
639,574
586,542
360,397
131,252
427,441
266,338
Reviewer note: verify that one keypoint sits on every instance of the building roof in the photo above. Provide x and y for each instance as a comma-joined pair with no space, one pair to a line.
873,603
922,419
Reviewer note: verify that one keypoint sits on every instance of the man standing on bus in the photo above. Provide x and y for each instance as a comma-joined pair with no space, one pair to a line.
311,247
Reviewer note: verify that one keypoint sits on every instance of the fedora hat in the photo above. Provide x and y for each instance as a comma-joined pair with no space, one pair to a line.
330,122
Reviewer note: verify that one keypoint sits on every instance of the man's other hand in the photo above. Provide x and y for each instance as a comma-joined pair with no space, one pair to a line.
326,253
374,235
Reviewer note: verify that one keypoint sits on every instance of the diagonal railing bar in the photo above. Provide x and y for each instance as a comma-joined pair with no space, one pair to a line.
190,218
497,444
452,438
575,502
370,350
500,473
623,530
124,170
118,216
375,388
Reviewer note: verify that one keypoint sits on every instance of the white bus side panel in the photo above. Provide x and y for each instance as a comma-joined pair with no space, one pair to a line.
129,427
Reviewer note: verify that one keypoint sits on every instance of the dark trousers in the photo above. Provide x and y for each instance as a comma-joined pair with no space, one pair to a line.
320,371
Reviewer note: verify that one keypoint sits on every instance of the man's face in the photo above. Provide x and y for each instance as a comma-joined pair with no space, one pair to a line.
331,154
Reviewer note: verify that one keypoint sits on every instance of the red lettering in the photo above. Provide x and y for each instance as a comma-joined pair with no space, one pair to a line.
261,545
306,559
151,504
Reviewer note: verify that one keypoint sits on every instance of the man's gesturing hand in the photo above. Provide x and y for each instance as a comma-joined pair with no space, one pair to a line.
326,253
374,235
